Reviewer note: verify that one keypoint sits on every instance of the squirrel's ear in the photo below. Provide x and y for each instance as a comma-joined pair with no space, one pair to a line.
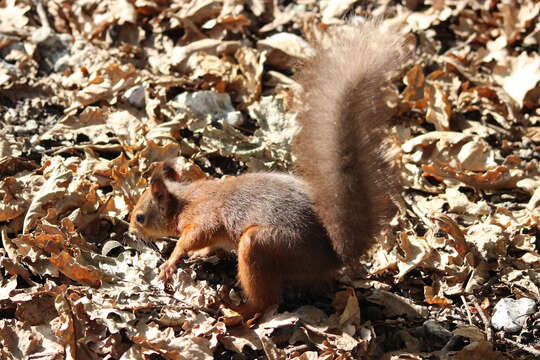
158,188
157,184
169,171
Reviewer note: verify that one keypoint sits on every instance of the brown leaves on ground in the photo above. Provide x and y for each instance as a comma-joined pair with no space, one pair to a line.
94,94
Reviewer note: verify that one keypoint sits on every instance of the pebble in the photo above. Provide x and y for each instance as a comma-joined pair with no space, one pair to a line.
135,96
510,315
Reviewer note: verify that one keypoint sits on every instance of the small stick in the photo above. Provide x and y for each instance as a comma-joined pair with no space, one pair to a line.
469,316
300,348
487,327
527,348
42,15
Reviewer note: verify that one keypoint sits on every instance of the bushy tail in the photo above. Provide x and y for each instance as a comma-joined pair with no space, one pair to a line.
342,148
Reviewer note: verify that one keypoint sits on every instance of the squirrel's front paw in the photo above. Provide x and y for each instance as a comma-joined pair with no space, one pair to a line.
166,270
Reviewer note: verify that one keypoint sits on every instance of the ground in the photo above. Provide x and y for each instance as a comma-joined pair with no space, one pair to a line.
94,94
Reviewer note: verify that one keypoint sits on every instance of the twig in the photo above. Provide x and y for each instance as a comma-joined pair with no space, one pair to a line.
42,15
527,348
469,316
300,348
92,147
487,327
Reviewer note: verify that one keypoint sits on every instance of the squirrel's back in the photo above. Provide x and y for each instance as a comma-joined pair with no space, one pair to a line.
342,148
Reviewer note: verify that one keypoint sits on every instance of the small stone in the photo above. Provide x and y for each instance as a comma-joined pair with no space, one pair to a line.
31,125
27,128
55,49
234,118
34,140
434,329
135,96
510,315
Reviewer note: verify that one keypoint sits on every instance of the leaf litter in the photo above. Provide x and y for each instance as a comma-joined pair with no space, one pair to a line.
94,94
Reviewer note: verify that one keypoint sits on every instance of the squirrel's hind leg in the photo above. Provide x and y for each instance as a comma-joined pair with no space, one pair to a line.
257,272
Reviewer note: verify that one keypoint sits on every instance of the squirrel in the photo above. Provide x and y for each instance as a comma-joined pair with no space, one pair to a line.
297,229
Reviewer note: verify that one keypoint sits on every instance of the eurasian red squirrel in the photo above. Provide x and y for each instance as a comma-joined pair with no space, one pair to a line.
295,229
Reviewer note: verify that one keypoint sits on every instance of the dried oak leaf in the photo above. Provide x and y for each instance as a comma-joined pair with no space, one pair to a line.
167,344
435,295
333,11
499,178
107,312
523,283
490,101
75,271
12,204
238,337
210,47
127,129
517,17
276,130
13,16
439,109
519,75
39,310
349,309
397,305
65,329
534,207
249,85
459,203
7,286
94,18
199,11
458,150
196,293
414,90
154,152
416,252
9,146
57,178
91,123
20,341
285,49
107,84
490,241
479,350
450,157
433,15
65,192
232,18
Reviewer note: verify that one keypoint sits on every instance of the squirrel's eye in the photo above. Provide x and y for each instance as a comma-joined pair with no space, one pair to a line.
140,218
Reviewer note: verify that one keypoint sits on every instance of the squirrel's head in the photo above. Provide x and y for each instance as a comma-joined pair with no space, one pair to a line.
156,213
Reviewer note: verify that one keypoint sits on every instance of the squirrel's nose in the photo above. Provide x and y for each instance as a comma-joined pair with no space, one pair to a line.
140,218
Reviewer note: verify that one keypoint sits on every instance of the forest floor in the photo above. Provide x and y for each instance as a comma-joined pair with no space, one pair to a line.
93,94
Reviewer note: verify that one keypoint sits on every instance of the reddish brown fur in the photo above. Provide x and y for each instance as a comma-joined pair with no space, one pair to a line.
274,220
340,150
267,217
